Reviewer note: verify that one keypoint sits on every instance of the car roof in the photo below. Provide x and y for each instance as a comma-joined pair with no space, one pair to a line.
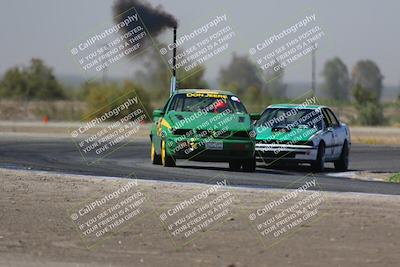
299,106
213,91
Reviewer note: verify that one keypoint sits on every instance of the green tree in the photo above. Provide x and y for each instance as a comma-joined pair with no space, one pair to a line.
154,76
367,89
192,79
142,94
42,82
99,96
14,84
242,73
256,100
367,74
274,85
102,98
337,80
36,81
370,111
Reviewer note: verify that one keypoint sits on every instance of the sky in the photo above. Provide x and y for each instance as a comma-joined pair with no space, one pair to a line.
354,29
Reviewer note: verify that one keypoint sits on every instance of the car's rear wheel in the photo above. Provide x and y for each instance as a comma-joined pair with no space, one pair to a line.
166,160
235,165
342,164
155,159
318,164
249,165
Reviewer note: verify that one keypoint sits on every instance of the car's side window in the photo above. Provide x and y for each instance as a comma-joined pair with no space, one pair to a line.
334,120
171,104
327,119
239,106
178,106
176,103
166,105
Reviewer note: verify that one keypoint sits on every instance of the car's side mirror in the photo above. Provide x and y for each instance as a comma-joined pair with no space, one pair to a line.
255,116
157,113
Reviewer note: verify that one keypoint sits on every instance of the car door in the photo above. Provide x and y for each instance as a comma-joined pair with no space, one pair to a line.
329,135
338,132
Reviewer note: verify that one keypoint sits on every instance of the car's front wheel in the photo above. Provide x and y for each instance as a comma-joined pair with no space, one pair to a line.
155,159
318,164
166,160
342,164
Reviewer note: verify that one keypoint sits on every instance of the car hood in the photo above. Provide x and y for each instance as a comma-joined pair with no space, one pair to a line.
210,121
294,134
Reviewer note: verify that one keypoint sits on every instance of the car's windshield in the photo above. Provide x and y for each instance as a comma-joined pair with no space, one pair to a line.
207,102
291,117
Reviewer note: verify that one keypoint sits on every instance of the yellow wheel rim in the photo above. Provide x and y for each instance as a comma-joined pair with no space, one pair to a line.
163,152
152,152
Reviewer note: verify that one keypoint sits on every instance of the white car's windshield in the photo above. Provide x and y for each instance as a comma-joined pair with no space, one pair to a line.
291,117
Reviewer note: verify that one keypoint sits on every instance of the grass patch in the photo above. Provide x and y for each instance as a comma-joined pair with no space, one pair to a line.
395,178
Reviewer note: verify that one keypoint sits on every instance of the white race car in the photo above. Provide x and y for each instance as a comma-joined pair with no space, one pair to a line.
302,134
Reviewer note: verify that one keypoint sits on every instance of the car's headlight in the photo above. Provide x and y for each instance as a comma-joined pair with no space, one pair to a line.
309,143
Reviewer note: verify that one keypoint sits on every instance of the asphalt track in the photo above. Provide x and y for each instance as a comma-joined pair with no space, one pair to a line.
61,155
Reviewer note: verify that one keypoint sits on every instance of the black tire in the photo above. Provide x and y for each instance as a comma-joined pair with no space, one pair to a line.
235,165
318,165
342,164
249,165
169,162
155,159
166,160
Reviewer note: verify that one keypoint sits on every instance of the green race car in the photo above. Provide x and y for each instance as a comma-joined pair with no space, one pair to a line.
203,125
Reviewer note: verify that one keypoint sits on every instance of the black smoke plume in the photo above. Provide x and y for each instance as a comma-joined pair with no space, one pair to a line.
154,18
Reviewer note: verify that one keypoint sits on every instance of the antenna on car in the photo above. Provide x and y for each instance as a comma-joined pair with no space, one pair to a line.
173,78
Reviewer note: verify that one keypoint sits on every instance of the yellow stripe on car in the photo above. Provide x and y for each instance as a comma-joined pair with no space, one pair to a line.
165,124
161,123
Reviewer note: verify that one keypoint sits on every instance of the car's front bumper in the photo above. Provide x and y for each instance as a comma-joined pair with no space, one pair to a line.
295,153
218,150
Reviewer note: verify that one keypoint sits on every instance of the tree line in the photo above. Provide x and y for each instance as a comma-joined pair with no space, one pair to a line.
363,86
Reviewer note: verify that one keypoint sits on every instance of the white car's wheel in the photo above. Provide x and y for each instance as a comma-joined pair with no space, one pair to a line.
318,164
342,164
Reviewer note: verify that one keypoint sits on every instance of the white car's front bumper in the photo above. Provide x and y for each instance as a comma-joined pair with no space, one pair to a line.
302,153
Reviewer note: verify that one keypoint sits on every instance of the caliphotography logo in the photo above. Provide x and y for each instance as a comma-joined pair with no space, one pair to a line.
193,216
110,128
102,217
283,216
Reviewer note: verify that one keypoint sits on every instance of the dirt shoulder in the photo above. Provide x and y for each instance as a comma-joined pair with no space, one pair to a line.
37,228
59,129
375,135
